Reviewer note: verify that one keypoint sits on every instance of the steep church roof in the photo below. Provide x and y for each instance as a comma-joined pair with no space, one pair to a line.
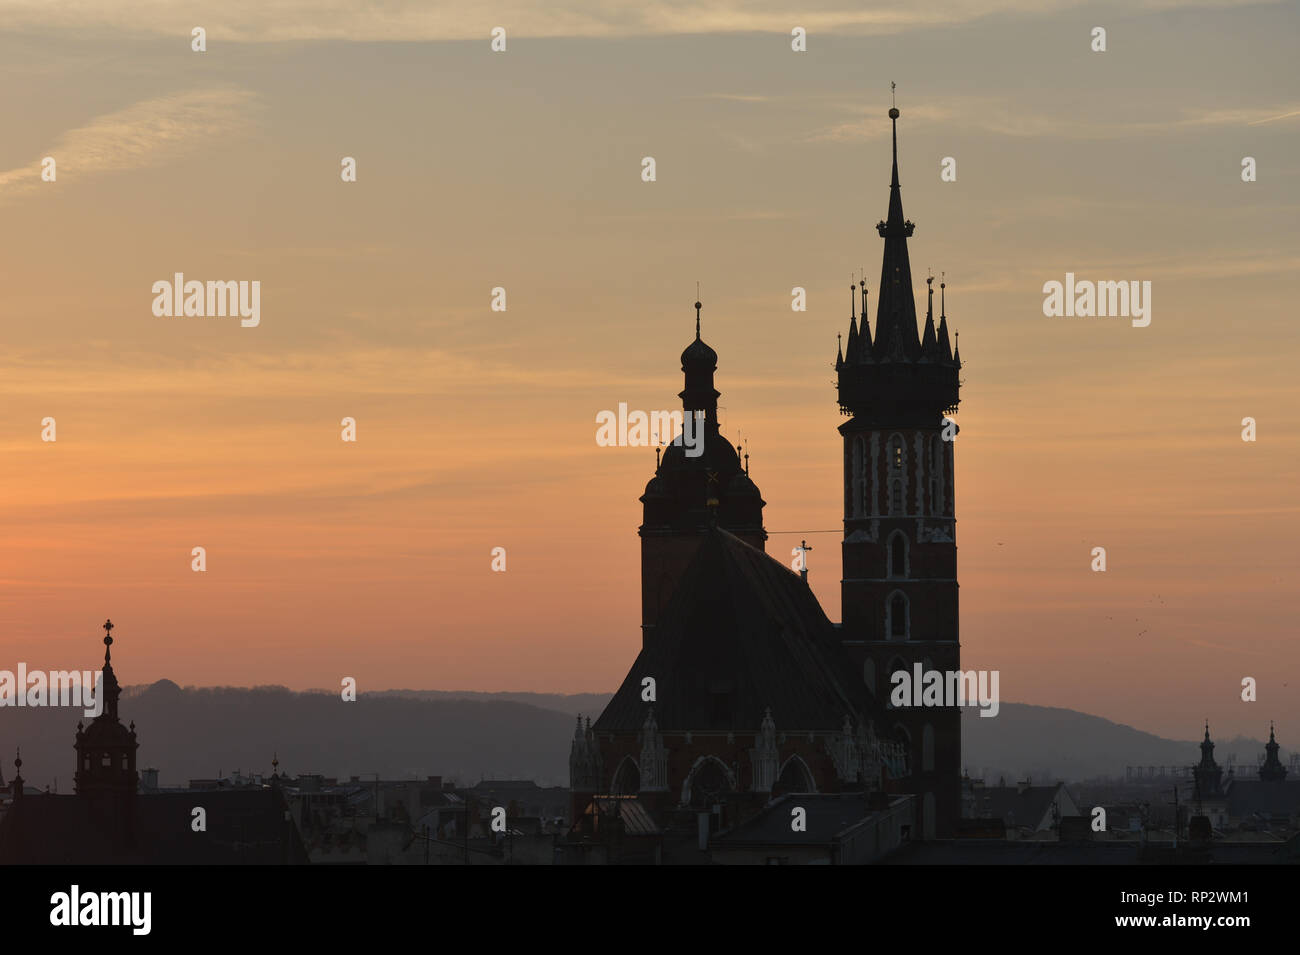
741,633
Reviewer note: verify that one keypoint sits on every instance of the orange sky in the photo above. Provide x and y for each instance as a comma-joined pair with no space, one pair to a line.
476,428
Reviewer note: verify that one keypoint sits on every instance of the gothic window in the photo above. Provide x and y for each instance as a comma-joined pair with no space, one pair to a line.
869,675
897,555
795,778
904,739
106,762
897,475
937,475
896,665
627,780
708,782
896,616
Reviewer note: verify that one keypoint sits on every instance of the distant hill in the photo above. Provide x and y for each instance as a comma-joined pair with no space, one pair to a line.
1049,743
201,732
585,704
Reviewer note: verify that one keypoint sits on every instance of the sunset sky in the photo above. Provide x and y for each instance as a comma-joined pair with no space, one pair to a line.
476,428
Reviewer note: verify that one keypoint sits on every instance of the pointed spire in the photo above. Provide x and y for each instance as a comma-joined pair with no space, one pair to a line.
699,362
864,341
945,346
853,347
956,349
896,336
1272,769
839,351
109,688
929,341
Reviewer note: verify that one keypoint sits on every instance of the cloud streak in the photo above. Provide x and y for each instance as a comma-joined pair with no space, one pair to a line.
996,117
257,21
145,134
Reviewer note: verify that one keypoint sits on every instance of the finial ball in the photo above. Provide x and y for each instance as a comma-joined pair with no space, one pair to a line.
698,306
893,112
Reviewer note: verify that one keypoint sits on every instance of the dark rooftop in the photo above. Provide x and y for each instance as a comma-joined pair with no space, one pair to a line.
741,633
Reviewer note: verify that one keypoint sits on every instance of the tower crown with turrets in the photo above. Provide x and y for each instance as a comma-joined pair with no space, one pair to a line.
901,375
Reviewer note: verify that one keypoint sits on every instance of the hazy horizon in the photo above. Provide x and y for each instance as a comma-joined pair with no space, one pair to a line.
475,428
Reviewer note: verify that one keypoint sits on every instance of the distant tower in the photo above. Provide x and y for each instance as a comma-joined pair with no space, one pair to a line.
688,494
106,751
1208,776
18,774
1272,771
899,586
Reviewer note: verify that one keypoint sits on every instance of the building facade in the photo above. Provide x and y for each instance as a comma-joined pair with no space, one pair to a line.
743,689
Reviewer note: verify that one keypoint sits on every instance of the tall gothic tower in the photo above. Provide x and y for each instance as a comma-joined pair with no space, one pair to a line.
899,587
688,494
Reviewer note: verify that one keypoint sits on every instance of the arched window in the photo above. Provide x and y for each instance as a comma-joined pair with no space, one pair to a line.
897,476
897,555
869,675
896,665
795,778
904,739
627,778
896,616
707,782
937,472
927,749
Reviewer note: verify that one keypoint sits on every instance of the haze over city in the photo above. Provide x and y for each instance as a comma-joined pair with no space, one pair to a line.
476,428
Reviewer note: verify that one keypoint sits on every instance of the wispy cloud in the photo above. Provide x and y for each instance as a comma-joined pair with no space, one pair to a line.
145,134
999,118
1274,119
256,21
